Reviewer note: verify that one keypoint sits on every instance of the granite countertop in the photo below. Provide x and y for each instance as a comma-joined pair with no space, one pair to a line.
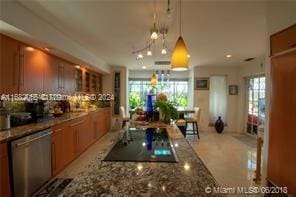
20,131
188,177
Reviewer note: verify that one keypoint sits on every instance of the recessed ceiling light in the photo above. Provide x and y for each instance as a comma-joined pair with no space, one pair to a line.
144,67
30,49
228,56
188,55
46,49
77,66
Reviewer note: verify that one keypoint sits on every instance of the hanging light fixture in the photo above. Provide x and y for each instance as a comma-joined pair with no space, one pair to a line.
179,61
154,30
153,80
149,52
163,50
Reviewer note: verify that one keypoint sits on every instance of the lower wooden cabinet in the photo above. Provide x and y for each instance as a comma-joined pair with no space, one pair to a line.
4,171
71,138
57,160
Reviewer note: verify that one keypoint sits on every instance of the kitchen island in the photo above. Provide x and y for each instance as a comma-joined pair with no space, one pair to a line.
188,177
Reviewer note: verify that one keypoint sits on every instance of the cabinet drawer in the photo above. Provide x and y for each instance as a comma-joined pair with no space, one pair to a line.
283,40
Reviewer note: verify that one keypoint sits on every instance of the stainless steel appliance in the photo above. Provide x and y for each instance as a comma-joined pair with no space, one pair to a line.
31,162
4,117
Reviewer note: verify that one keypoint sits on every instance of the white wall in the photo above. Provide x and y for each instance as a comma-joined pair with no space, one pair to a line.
201,97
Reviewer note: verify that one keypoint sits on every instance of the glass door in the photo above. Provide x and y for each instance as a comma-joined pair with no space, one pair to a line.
256,104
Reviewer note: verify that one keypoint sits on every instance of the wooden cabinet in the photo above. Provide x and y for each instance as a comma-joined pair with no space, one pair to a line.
283,40
57,156
71,138
69,142
282,135
86,81
78,80
4,171
32,64
9,65
68,78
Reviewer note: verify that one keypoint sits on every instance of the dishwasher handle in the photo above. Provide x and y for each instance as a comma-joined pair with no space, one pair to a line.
34,139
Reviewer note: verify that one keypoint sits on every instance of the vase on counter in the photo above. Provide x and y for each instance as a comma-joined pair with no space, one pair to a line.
149,107
219,125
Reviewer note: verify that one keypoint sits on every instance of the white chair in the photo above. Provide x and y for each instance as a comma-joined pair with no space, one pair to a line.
123,116
194,119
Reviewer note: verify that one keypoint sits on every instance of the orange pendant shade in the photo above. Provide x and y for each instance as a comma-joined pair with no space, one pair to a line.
179,61
153,80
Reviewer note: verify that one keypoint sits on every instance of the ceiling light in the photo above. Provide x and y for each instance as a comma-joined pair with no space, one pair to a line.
154,34
163,51
188,55
228,56
30,49
149,52
139,56
77,66
46,49
143,67
180,60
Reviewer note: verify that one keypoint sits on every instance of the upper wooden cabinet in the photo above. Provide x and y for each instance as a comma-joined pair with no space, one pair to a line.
24,69
283,40
9,65
32,65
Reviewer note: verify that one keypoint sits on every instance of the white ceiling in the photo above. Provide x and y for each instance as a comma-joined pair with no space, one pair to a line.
111,29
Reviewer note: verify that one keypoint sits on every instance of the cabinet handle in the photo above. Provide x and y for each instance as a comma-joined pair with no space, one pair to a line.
15,63
76,141
63,81
54,156
22,69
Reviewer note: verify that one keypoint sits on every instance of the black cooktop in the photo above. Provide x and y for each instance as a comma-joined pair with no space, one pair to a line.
143,145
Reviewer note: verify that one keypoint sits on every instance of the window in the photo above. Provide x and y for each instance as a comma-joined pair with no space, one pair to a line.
176,90
256,103
218,99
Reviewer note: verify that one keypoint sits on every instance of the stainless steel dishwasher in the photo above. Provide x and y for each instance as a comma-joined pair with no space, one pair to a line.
31,162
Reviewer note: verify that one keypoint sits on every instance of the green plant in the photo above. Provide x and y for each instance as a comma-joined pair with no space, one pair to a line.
167,109
134,100
180,99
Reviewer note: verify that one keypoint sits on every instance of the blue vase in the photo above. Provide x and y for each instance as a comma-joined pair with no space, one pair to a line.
149,106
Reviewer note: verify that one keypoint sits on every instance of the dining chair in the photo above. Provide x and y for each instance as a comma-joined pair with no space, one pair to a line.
194,119
124,118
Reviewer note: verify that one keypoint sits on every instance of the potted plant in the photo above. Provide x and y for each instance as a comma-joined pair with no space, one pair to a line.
167,109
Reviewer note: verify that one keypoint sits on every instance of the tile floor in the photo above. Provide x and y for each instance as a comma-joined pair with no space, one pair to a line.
231,161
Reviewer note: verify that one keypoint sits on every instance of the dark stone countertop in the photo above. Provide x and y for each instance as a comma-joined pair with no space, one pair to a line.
188,177
24,130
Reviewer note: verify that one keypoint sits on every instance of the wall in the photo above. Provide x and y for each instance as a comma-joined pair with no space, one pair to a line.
201,97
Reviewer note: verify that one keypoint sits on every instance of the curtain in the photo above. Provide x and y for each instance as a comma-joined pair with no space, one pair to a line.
218,98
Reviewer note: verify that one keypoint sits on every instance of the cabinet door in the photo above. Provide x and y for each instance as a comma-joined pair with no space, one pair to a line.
51,74
85,134
283,40
32,63
69,78
4,171
69,143
9,65
282,135
57,161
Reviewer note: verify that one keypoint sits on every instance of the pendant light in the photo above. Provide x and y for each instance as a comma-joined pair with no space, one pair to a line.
179,61
154,31
153,80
